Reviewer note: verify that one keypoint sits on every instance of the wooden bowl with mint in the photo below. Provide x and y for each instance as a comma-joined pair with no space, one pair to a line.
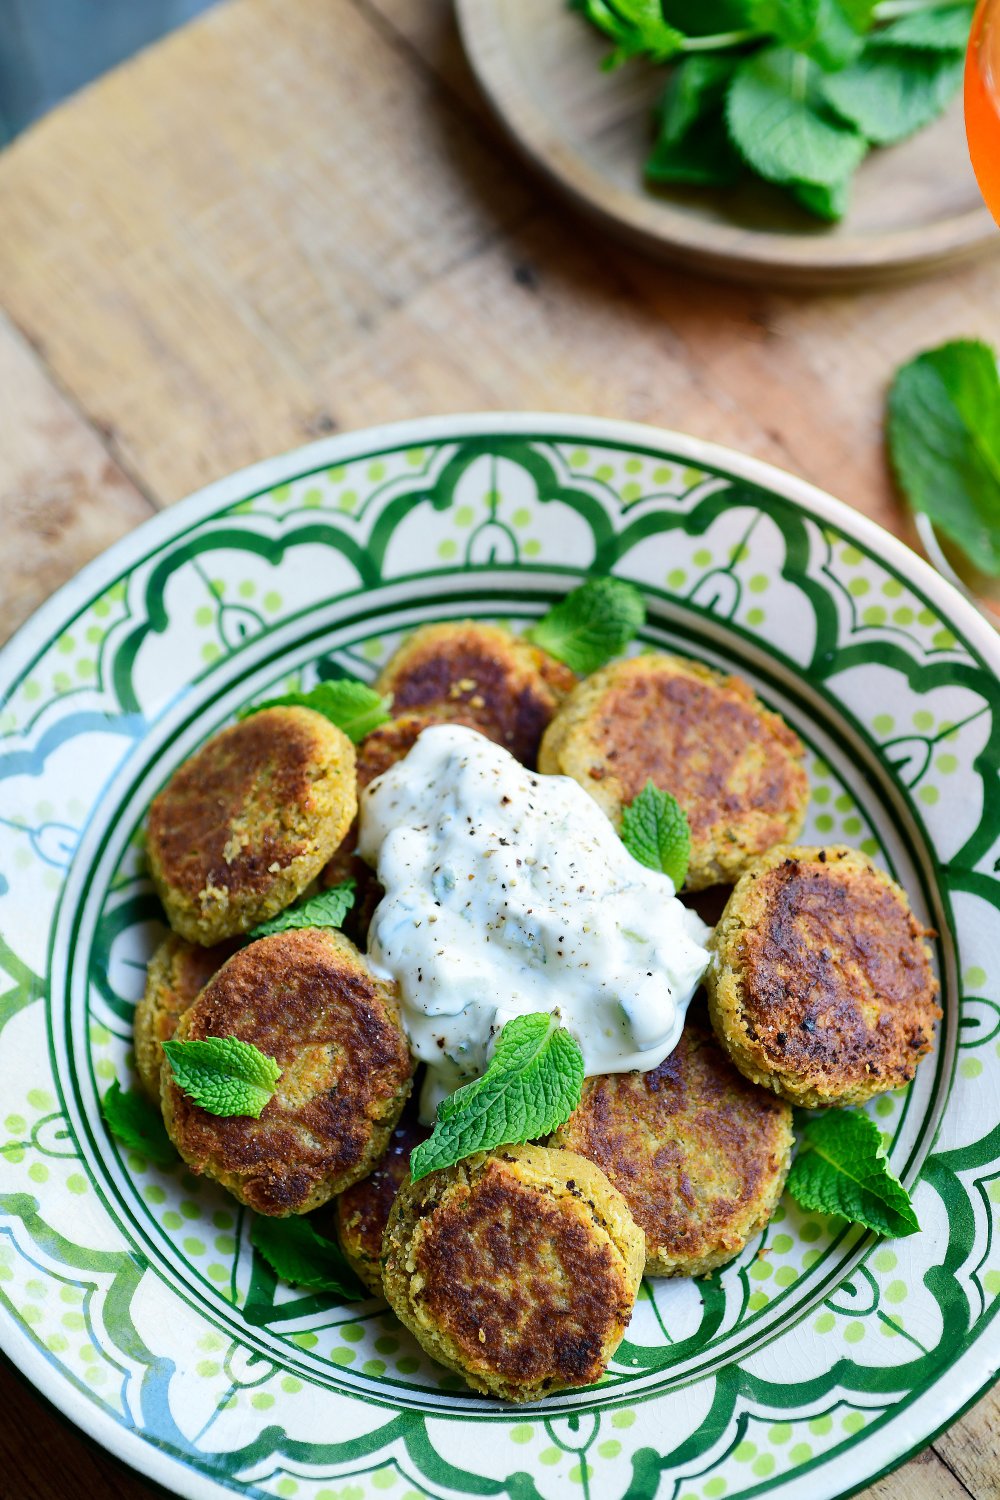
792,142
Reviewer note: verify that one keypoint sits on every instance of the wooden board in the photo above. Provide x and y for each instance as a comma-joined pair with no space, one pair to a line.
914,206
297,215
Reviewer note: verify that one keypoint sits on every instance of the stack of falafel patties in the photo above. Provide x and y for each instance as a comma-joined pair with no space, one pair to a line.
519,1268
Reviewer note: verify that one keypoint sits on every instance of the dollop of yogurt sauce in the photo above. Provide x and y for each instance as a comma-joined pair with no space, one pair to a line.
508,892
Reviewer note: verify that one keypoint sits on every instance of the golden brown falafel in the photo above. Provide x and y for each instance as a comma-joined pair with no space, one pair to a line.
699,1154
479,675
734,767
306,998
177,971
243,826
820,985
518,1268
362,1212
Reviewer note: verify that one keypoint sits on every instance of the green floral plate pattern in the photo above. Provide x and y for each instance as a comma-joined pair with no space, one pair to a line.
131,1295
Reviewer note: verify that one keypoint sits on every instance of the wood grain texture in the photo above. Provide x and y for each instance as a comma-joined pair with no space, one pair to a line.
62,498
296,216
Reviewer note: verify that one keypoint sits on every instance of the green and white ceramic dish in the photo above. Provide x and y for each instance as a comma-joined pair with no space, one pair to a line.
131,1295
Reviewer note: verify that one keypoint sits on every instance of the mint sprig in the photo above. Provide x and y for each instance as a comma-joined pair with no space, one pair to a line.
299,1255
138,1124
592,624
656,832
223,1075
841,1169
531,1086
327,909
353,706
808,85
944,440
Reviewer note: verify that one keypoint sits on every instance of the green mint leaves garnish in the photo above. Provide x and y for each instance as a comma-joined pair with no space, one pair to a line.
296,1253
840,1169
636,27
794,91
592,624
224,1075
655,831
531,1086
944,439
327,909
138,1124
353,706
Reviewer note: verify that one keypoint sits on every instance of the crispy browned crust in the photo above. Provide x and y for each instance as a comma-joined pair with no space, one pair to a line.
734,767
699,1154
362,1212
244,825
307,999
821,986
519,1269
176,972
480,675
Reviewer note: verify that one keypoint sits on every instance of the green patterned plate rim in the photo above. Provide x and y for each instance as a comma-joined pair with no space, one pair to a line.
131,1295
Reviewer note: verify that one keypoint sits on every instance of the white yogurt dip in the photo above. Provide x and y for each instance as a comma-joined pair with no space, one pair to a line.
508,892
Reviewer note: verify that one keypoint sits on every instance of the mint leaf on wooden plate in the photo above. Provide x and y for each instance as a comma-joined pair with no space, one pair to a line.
944,440
327,909
223,1074
592,624
841,1169
692,143
138,1124
782,125
637,28
299,1255
531,1086
353,706
656,832
890,93
943,29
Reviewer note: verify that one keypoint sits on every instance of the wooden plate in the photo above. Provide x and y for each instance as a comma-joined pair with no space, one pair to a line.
916,206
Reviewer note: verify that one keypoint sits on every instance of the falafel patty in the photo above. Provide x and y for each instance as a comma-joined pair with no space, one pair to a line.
361,1214
177,971
307,999
820,985
482,676
518,1268
699,1154
734,767
243,826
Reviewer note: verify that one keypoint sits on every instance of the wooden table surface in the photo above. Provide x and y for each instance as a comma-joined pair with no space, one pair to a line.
294,217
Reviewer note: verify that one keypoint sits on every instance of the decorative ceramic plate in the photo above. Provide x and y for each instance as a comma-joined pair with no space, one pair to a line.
132,1296
913,206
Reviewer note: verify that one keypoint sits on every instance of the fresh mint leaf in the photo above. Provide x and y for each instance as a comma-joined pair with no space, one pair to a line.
825,201
695,18
655,831
138,1124
944,440
327,909
299,1255
592,624
782,126
353,706
829,31
531,1086
692,143
224,1075
636,27
840,1169
892,92
940,30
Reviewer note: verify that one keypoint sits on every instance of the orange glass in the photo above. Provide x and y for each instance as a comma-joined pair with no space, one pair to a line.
982,101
